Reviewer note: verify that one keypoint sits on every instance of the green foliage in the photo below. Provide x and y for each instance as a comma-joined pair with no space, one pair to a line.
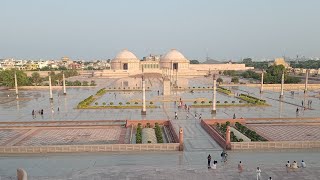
158,133
202,102
251,99
111,103
101,92
120,103
195,102
309,64
257,65
35,78
235,80
249,133
219,80
229,73
93,83
85,103
251,74
224,90
85,83
7,78
274,74
96,103
151,102
139,134
194,62
104,103
128,103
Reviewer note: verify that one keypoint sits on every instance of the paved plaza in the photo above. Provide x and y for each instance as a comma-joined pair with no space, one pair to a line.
63,136
288,132
189,164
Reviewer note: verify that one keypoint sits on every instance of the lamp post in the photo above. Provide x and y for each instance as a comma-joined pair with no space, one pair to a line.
282,85
214,110
16,85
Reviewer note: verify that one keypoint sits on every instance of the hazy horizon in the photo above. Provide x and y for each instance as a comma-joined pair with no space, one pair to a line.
100,29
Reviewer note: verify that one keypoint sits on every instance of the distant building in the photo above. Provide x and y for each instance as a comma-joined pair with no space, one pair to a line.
280,61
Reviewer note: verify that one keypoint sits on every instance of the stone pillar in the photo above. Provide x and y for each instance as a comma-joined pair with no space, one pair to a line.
143,111
228,139
166,87
180,139
22,174
16,85
214,100
282,85
261,87
64,85
50,88
306,83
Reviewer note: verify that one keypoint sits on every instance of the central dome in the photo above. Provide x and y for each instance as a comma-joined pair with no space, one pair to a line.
173,56
125,55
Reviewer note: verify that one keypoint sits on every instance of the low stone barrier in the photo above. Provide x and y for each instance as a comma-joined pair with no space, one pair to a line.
214,134
275,145
88,148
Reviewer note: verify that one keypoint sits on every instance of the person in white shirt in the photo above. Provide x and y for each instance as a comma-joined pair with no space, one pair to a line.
214,165
270,178
288,165
303,164
258,173
294,165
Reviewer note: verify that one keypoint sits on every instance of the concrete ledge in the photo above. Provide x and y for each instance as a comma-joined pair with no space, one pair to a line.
88,148
275,145
214,134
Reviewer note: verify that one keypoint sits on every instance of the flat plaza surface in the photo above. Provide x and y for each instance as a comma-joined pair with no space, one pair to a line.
63,136
189,164
288,132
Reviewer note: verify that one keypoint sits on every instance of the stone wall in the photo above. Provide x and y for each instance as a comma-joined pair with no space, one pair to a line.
214,134
275,145
88,148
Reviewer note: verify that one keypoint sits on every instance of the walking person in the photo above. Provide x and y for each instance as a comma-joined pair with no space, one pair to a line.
176,115
187,115
158,92
288,165
32,114
240,167
234,116
258,171
302,102
209,161
310,103
200,116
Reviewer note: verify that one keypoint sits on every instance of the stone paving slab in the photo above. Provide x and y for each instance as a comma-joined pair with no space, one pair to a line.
288,132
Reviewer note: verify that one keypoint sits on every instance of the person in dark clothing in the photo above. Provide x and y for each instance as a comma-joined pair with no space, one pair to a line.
209,160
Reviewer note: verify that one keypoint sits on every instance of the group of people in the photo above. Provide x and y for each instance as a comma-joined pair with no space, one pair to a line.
35,112
224,155
294,165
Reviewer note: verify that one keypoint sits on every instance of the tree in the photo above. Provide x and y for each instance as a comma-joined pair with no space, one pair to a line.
220,80
247,61
229,73
7,78
92,83
194,62
35,78
235,80
85,83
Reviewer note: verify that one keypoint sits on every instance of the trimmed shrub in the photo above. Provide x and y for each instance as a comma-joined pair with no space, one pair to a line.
202,102
104,103
225,102
218,102
210,102
151,102
96,103
136,103
120,103
111,103
127,103
195,102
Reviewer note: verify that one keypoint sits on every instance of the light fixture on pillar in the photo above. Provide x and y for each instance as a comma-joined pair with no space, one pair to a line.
214,100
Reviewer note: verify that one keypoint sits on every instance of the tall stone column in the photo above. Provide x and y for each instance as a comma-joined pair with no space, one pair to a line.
306,83
214,100
16,85
261,87
180,139
143,111
50,88
228,139
282,85
64,85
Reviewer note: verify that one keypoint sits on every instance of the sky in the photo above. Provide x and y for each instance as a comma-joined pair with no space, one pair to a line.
99,29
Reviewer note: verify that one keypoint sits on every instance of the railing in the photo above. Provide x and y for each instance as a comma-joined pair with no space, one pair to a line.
275,145
88,148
